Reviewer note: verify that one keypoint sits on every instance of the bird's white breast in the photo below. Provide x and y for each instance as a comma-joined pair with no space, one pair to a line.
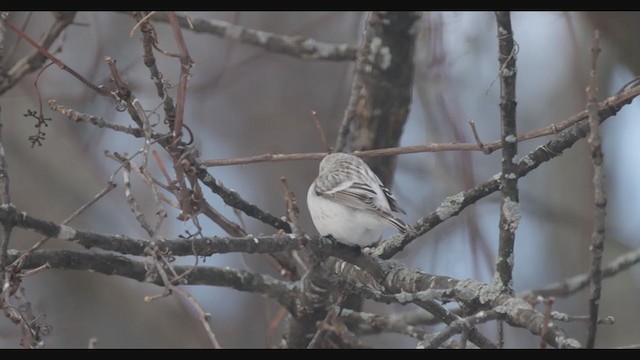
345,224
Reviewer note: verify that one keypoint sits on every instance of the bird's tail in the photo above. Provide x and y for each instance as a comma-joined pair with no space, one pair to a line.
402,226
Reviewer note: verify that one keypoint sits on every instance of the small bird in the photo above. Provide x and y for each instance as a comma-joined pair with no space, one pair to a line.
348,201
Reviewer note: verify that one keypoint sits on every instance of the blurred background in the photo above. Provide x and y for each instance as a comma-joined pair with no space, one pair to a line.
243,101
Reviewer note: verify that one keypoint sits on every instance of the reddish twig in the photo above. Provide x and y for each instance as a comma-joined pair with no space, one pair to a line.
323,138
613,102
185,66
54,59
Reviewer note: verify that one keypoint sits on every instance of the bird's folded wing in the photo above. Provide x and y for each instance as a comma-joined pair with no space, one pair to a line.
350,193
358,196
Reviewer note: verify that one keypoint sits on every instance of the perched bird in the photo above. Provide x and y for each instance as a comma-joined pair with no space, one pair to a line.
348,201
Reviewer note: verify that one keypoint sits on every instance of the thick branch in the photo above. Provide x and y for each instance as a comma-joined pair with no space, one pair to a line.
509,212
123,266
382,85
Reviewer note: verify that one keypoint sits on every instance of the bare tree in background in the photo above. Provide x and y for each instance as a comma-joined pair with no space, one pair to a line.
172,105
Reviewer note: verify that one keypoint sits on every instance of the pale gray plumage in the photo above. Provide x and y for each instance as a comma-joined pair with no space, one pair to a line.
348,201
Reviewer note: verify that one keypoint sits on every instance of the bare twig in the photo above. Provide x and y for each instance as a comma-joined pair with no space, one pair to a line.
131,201
9,55
185,66
292,208
461,325
5,201
323,137
46,53
472,124
3,30
149,40
123,93
144,175
610,105
367,323
225,224
203,316
349,115
609,320
233,199
98,121
296,46
509,208
599,196
574,284
139,23
548,305
35,60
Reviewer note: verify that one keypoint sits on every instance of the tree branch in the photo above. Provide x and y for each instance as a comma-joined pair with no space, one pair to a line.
284,292
509,208
234,200
574,284
295,46
36,59
599,196
382,84
454,204
617,101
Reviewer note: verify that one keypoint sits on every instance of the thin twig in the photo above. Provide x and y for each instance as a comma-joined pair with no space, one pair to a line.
203,316
233,199
54,59
33,61
368,323
349,115
131,201
609,320
98,121
509,208
574,284
292,208
599,196
455,204
548,305
3,30
185,66
472,124
123,93
139,23
149,41
612,102
323,137
460,325
7,56
5,201
144,175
